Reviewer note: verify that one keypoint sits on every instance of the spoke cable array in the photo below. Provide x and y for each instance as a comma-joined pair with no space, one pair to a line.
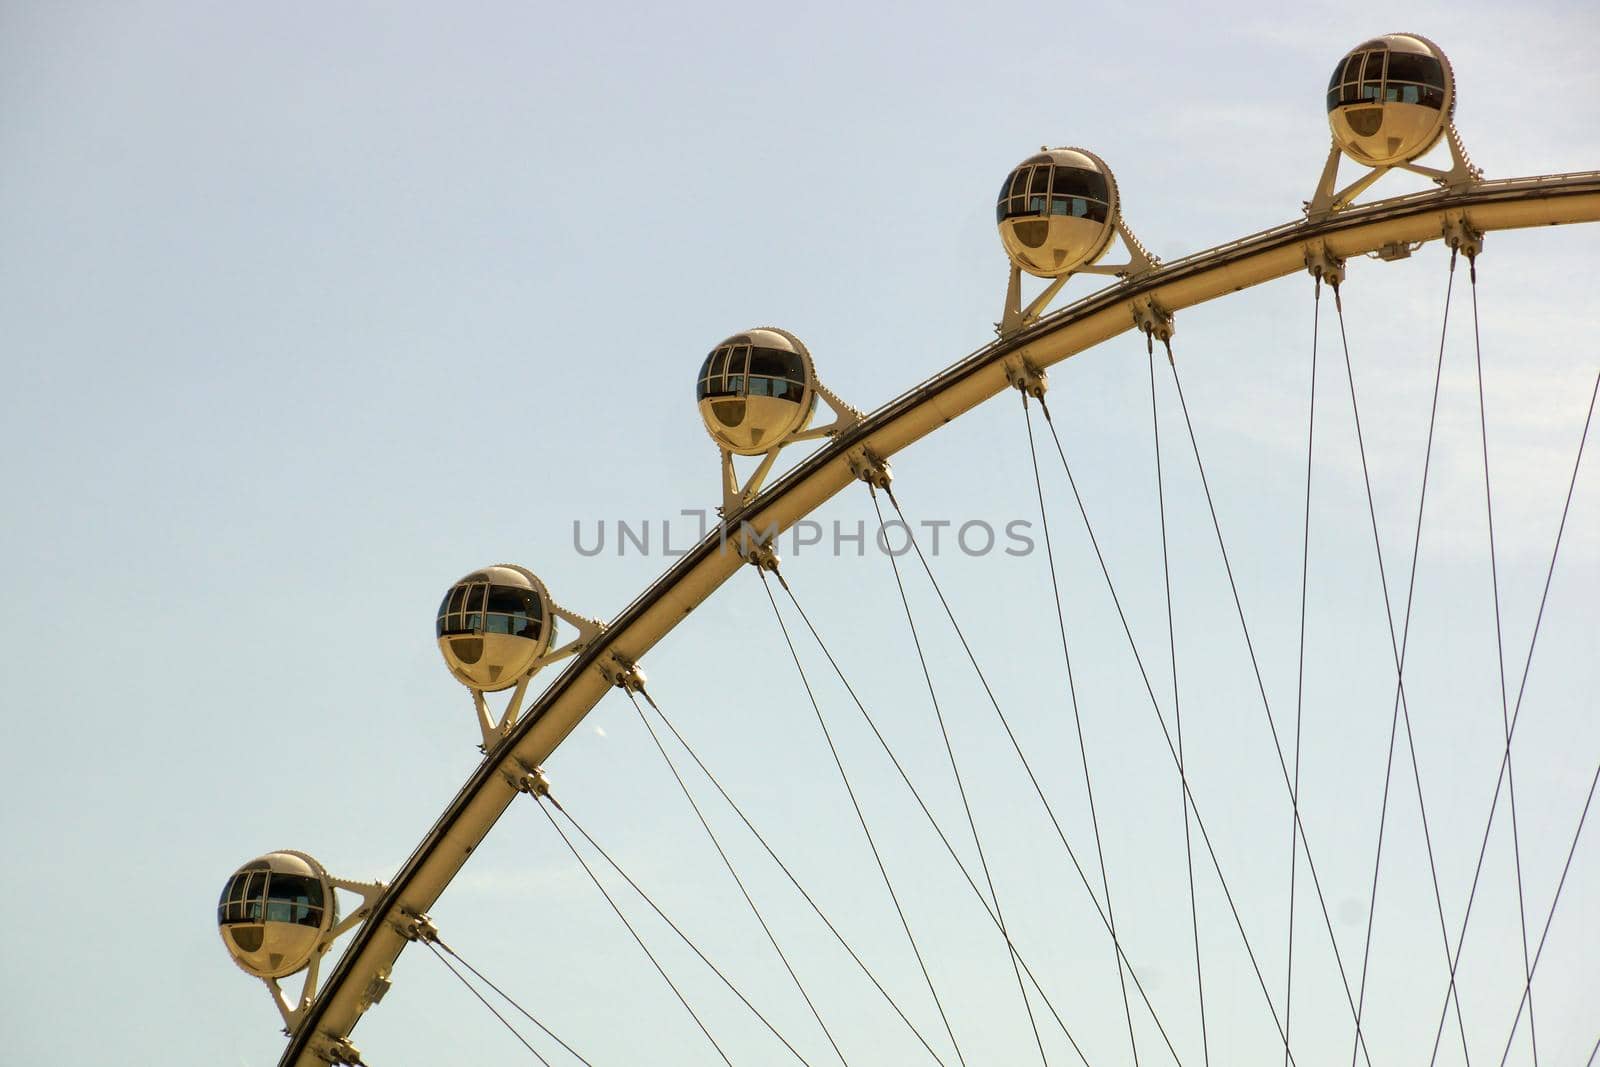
788,873
861,817
1077,718
1266,706
1172,750
961,791
1500,660
492,1009
437,943
743,891
587,869
1300,661
1027,767
1522,687
1398,646
1177,714
1527,986
944,838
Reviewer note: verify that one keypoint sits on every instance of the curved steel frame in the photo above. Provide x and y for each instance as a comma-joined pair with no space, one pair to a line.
362,972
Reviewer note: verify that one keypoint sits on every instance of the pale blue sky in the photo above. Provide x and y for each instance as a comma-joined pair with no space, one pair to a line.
306,310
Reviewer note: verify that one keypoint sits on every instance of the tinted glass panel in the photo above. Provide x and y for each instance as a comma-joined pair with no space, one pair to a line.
509,599
1041,180
717,387
776,363
1075,181
1078,207
1374,71
1422,70
1019,181
1008,209
295,887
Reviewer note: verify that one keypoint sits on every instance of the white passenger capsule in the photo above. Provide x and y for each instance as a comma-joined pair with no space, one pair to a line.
493,625
756,389
1057,211
274,912
1390,99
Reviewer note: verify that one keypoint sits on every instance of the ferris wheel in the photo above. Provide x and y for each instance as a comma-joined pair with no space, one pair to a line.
1390,102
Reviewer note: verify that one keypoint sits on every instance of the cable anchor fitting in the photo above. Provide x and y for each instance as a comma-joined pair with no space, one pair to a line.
1023,375
530,780
758,553
623,673
1156,324
339,1052
415,926
1323,265
868,467
1461,236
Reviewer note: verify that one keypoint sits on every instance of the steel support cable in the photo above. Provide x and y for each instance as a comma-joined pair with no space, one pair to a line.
860,815
743,891
1300,661
834,930
945,838
1155,706
1522,687
961,789
438,942
635,933
1077,719
1398,647
1027,767
1177,716
485,1002
1272,726
735,990
1527,988
1500,659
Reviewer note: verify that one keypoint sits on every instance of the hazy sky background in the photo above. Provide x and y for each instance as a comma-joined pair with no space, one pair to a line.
308,309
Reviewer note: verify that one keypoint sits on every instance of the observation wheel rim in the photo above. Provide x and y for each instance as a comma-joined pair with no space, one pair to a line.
1502,204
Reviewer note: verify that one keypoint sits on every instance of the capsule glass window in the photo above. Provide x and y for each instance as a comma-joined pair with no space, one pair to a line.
294,898
777,373
1345,85
242,898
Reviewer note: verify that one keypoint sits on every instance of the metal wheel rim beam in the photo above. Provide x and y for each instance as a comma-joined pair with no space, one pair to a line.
1513,203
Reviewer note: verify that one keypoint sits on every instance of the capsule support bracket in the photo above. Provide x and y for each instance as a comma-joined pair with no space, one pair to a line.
496,729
